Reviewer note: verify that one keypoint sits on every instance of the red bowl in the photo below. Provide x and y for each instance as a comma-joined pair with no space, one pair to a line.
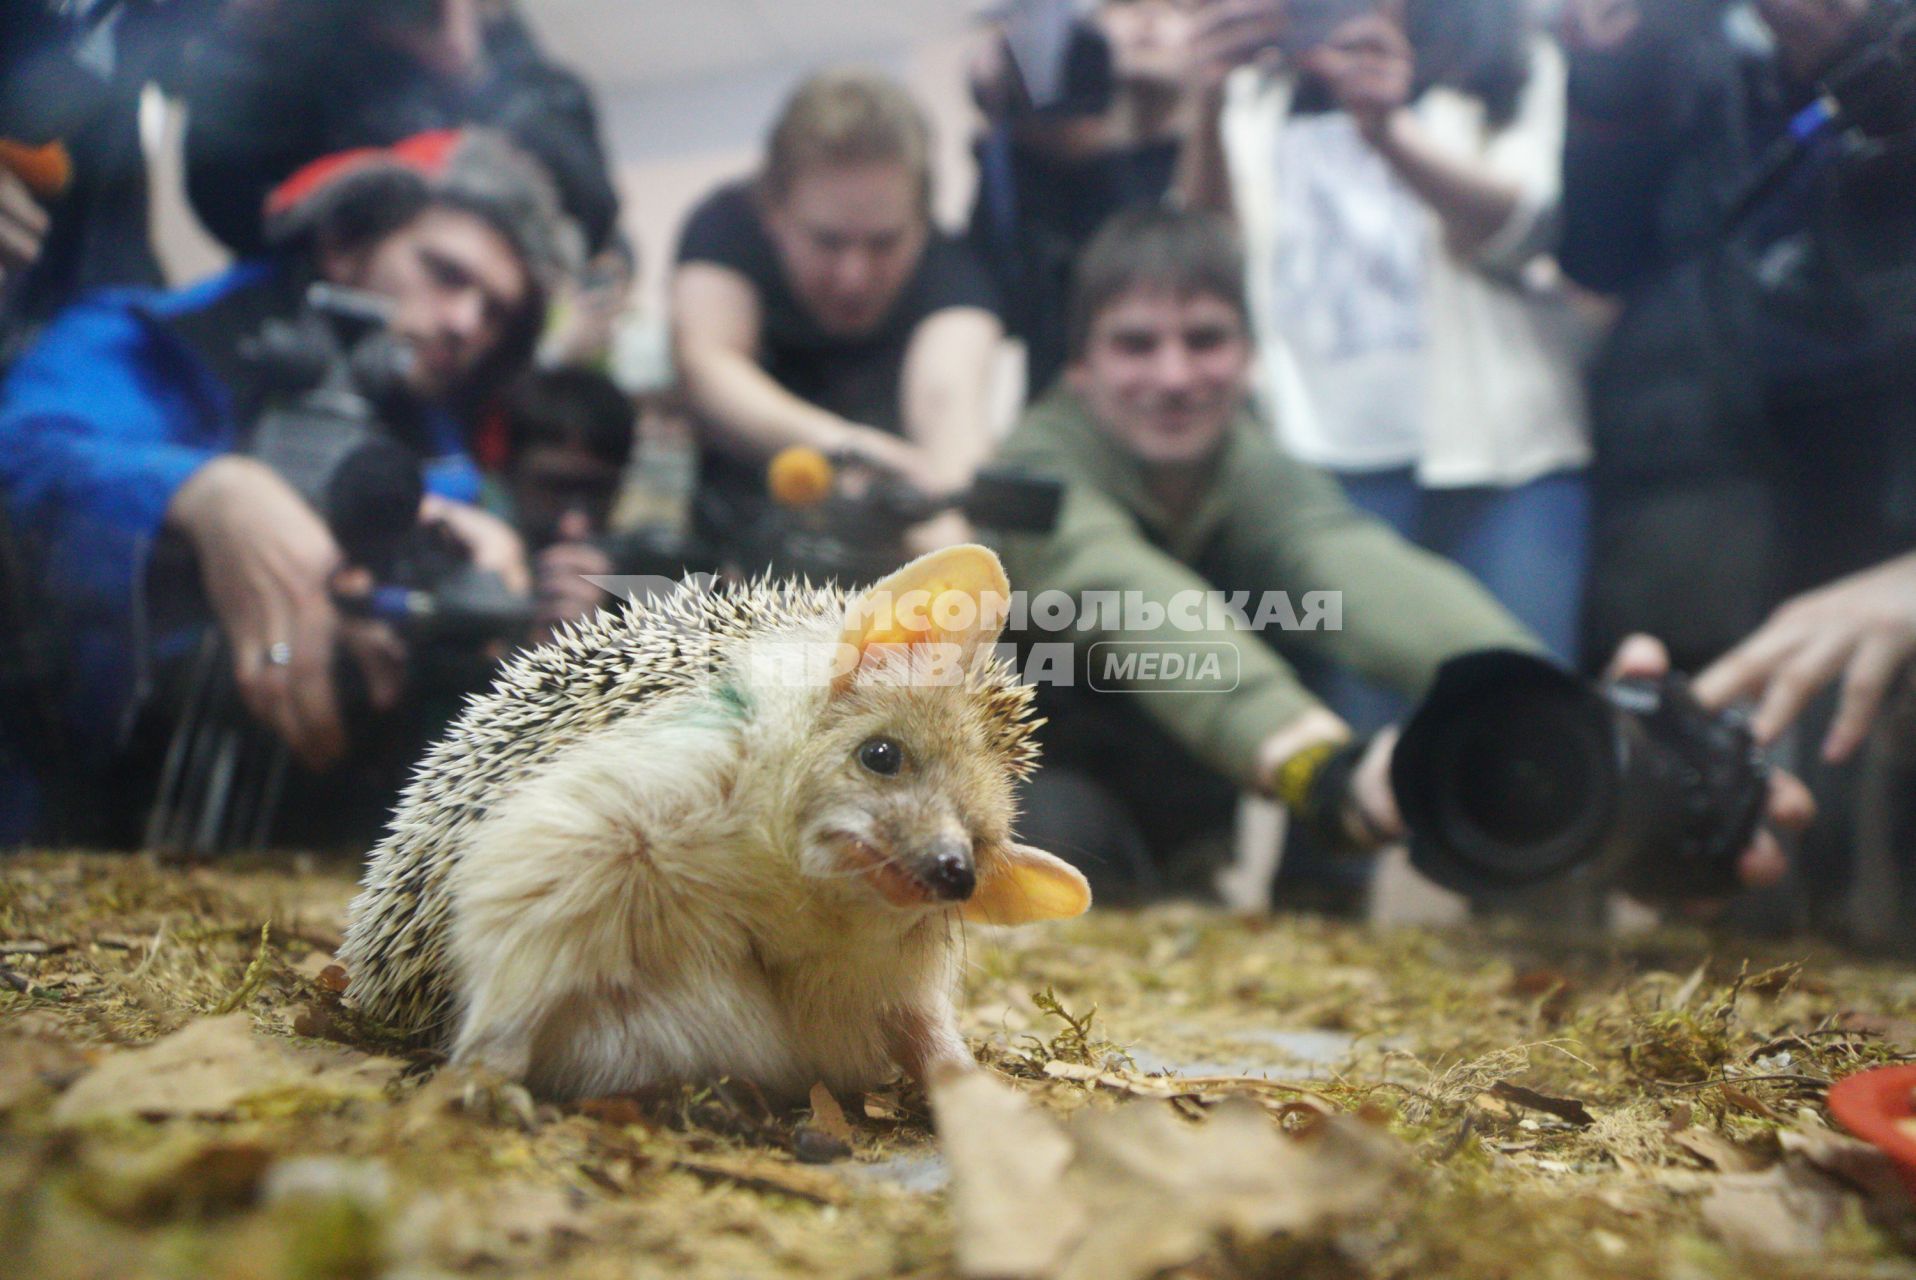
1870,1103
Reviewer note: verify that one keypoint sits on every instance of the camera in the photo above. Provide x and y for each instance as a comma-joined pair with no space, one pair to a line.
338,432
1513,771
341,429
843,520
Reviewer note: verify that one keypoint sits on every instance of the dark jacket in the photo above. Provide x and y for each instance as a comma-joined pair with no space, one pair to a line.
1769,327
267,96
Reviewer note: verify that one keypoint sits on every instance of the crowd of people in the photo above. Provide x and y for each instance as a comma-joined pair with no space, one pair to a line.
1515,328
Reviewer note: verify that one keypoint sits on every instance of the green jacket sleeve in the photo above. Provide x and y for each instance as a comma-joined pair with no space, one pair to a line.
1097,547
1404,610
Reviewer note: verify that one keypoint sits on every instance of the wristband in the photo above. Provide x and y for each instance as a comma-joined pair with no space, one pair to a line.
1315,785
1292,782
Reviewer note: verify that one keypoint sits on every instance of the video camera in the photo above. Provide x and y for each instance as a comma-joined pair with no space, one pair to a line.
1513,771
334,430
842,519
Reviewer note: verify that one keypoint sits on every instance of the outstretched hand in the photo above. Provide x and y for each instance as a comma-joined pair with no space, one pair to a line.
1860,630
1789,806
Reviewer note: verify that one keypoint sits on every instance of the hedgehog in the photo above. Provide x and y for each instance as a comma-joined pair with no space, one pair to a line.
734,834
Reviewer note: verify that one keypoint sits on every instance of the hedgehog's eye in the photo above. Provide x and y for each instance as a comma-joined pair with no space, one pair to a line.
882,756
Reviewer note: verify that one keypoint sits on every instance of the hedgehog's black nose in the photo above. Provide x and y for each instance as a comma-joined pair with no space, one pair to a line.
950,872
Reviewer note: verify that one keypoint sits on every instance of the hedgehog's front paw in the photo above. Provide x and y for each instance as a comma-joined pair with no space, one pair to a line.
926,1043
485,1095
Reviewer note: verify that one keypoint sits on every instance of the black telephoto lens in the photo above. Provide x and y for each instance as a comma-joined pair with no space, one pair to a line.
1514,771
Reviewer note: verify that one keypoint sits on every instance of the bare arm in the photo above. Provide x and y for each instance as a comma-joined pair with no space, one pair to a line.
715,331
1226,34
1203,178
1473,202
1368,64
946,392
946,402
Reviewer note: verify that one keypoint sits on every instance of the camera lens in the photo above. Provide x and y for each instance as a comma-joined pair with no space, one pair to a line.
1521,778
1513,771
1523,772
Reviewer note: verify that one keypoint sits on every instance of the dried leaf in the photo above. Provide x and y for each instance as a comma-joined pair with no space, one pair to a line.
178,1180
617,1111
1784,1210
208,1068
883,1106
1568,1109
1718,1151
1749,1102
483,1228
1129,1193
1013,1218
35,1058
1860,1164
828,1117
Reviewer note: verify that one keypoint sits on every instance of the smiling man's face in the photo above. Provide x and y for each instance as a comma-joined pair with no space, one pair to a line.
1164,373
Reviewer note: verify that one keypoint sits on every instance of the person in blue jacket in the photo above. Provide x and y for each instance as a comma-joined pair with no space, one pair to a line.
122,433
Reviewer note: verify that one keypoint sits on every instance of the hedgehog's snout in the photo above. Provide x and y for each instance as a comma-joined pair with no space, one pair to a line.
948,868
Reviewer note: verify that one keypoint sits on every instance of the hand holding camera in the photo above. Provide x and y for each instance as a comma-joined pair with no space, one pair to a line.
267,562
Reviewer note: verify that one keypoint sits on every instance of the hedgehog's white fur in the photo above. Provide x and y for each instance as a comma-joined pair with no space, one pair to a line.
610,873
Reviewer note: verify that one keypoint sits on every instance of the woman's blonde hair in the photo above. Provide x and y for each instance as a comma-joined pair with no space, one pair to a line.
847,117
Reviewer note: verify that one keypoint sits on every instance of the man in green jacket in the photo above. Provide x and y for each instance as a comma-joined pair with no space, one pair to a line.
1189,551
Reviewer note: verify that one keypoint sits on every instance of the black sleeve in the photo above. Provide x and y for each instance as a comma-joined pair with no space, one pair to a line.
1615,163
1630,114
954,276
250,122
724,230
549,111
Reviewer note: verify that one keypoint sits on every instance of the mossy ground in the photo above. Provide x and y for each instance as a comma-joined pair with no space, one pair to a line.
1690,1052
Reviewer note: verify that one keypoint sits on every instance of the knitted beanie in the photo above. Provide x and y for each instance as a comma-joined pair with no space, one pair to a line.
365,192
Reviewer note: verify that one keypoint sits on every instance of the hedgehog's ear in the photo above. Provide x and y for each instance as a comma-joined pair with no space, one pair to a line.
1022,884
959,595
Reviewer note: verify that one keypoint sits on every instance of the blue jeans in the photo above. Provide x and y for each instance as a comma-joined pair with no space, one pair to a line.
1529,545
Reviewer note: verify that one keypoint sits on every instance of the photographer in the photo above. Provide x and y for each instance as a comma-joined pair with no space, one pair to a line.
1743,179
1754,408
1050,172
123,434
818,305
1394,170
569,434
1174,490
